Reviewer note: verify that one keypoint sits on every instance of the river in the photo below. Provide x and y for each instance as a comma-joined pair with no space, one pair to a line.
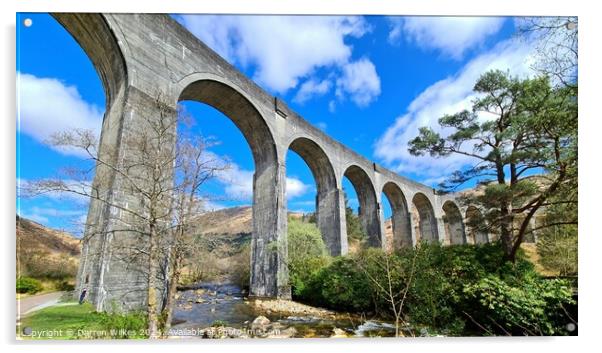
223,304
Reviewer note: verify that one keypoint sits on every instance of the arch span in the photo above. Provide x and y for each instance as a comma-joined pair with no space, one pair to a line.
474,220
454,226
268,269
425,223
328,215
369,210
402,230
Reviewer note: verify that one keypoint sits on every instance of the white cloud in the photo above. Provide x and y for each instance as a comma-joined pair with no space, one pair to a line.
312,88
284,50
238,184
447,96
450,35
46,106
360,81
295,188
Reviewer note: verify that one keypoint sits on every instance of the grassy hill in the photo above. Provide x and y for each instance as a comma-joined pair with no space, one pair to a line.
45,253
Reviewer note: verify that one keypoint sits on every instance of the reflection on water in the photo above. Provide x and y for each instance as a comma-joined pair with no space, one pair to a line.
207,304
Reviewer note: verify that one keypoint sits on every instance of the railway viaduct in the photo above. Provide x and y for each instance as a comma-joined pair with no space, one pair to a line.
141,56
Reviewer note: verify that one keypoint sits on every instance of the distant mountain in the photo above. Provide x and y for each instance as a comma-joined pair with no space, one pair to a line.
34,236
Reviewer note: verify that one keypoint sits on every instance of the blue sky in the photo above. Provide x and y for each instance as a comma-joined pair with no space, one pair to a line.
369,82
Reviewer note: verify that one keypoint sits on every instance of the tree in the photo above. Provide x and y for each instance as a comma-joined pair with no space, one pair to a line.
163,175
390,277
556,44
354,226
522,136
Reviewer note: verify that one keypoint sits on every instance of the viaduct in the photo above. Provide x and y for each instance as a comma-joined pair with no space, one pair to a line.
138,56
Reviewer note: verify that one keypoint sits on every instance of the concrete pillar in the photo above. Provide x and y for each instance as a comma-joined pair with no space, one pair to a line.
269,250
330,216
438,226
114,267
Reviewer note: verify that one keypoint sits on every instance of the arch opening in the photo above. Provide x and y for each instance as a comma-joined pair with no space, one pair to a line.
454,226
369,209
425,223
327,200
400,217
267,270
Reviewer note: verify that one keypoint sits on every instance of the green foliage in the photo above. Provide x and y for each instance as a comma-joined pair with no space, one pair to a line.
64,286
219,323
454,290
28,285
123,325
342,286
532,127
306,254
557,248
533,307
355,231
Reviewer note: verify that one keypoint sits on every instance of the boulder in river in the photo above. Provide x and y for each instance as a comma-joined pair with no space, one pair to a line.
260,323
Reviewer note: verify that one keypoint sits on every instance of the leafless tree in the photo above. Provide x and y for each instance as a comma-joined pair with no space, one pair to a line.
556,40
163,171
390,279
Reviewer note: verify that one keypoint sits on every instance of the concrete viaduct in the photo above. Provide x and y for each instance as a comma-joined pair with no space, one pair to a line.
141,56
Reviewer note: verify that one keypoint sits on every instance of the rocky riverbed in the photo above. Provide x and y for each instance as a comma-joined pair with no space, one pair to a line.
220,310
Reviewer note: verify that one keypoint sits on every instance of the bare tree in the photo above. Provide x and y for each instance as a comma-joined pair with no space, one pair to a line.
556,45
390,279
163,173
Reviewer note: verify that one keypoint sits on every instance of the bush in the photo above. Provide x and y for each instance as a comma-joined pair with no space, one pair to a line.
535,307
28,285
306,255
341,285
124,325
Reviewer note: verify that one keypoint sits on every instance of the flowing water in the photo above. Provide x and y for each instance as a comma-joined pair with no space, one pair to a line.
207,304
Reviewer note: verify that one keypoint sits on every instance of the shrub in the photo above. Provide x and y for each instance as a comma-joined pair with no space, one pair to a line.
28,285
124,325
535,307
306,254
341,285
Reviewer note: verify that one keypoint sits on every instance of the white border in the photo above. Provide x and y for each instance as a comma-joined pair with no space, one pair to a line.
590,172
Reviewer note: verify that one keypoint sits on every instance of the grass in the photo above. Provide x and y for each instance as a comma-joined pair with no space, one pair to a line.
73,321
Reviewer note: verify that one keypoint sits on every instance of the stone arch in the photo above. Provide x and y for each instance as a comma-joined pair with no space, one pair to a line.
269,225
425,223
474,218
402,230
328,215
454,225
94,35
369,209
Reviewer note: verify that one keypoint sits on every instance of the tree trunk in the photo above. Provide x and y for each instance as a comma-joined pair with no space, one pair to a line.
152,314
506,234
171,294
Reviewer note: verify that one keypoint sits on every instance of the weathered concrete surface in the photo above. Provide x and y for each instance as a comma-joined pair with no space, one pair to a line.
142,56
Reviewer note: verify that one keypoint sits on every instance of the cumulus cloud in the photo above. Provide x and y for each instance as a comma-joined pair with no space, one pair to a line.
311,88
447,96
450,35
360,82
47,105
285,50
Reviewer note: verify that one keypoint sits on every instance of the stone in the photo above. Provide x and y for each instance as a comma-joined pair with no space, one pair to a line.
260,323
338,333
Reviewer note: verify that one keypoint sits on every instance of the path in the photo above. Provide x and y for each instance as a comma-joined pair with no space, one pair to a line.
36,302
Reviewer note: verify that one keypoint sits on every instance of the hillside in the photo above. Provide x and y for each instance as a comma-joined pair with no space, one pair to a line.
43,252
32,235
